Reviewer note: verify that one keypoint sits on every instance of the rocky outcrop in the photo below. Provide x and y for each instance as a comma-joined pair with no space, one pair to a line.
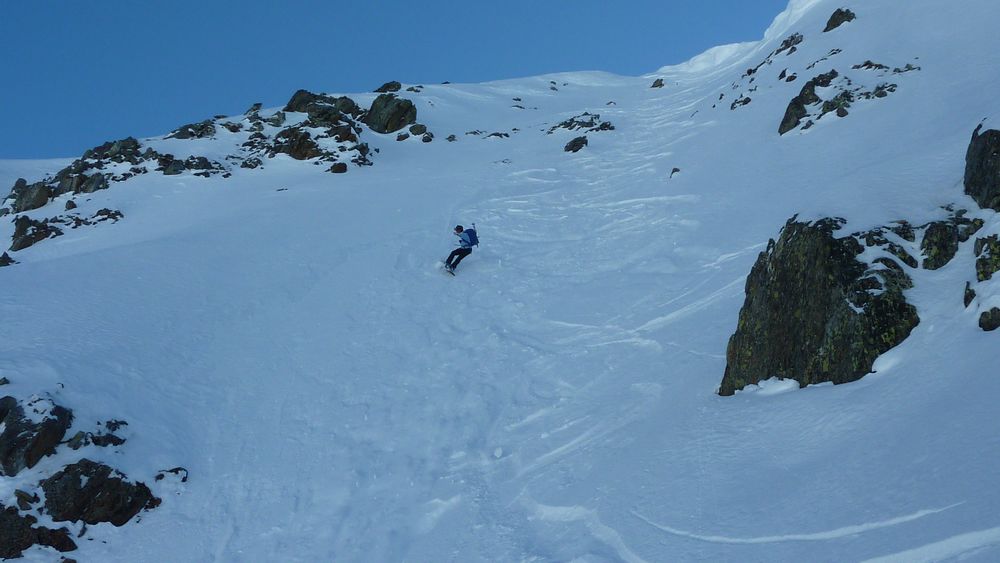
28,231
27,197
987,257
392,86
576,144
27,439
18,533
839,18
982,168
941,239
814,312
390,113
589,122
199,130
658,83
296,143
93,492
796,110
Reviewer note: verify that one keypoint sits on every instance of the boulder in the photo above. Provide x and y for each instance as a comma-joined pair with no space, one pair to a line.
23,441
94,493
339,168
198,130
839,18
941,239
18,533
27,197
987,257
392,86
304,98
418,129
658,83
6,260
814,312
122,150
94,182
970,294
296,143
70,205
796,110
982,168
576,144
990,320
27,232
390,113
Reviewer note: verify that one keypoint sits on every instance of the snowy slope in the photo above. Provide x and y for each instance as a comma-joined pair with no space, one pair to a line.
285,334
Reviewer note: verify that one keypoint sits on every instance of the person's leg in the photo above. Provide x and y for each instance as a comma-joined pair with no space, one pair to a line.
451,257
462,253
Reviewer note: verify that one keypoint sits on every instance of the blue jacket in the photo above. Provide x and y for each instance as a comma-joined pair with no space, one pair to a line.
463,240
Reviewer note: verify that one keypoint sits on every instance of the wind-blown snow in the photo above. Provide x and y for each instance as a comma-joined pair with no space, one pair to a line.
287,337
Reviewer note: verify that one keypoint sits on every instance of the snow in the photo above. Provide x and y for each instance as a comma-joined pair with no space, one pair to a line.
285,336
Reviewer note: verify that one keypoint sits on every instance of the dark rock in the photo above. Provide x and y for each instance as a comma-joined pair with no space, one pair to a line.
27,232
252,162
233,127
6,260
982,168
70,205
4,380
796,110
988,257
339,168
389,114
105,440
115,425
576,144
428,137
25,499
389,87
122,150
177,471
658,83
674,171
170,166
451,138
256,107
198,130
591,122
18,533
28,197
815,313
296,143
95,182
790,44
839,18
24,442
276,120
990,320
418,129
79,440
93,492
940,244
402,136
970,294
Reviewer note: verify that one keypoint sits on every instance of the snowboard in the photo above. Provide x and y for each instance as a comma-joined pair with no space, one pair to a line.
446,270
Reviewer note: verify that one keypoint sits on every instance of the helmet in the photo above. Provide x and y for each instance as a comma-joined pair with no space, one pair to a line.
458,228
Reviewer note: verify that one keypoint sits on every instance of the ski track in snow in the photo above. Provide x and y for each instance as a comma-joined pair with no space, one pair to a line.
838,533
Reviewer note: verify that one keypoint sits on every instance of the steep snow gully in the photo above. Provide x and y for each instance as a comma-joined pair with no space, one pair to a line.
285,334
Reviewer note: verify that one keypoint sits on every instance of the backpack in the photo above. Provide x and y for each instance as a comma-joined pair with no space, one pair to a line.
473,237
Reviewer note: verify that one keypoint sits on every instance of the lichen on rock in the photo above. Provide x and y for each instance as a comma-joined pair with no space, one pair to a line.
814,312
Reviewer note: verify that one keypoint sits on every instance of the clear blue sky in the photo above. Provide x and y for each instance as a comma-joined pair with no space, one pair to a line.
76,73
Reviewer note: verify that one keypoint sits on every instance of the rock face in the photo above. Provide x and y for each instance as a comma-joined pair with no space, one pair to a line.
807,96
392,86
982,168
27,232
296,143
389,114
23,441
93,492
987,257
815,313
941,239
18,533
27,197
839,18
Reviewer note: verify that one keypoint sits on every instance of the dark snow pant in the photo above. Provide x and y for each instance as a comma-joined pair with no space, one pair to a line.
457,256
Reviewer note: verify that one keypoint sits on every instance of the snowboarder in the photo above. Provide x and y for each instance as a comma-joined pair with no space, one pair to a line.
464,249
